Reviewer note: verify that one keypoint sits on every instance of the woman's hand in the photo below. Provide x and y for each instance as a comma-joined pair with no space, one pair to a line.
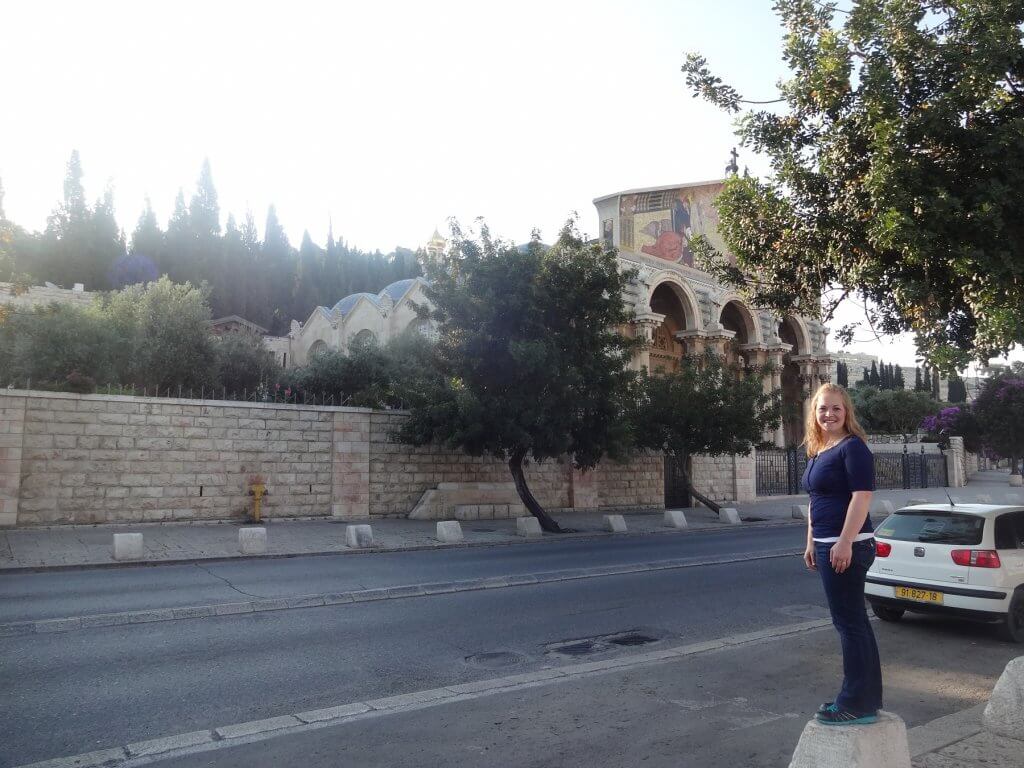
840,555
809,557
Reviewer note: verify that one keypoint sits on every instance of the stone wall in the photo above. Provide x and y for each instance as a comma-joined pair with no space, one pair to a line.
41,294
67,458
725,478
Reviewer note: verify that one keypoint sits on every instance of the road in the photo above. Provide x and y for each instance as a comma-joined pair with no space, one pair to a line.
72,692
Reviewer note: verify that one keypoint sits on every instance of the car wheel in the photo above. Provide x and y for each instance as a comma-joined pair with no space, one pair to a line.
1013,627
885,613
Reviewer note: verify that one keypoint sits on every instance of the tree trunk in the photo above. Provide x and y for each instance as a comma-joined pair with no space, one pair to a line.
1015,465
681,462
515,465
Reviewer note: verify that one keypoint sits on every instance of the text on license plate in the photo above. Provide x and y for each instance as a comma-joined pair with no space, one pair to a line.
922,595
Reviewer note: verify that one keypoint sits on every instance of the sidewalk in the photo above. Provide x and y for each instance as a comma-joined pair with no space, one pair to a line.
77,546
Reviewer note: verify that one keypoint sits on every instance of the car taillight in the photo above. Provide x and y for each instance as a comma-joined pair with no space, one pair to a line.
882,549
978,558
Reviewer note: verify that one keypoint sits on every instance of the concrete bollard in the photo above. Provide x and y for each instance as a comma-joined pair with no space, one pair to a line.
912,502
984,498
879,745
729,515
358,536
528,527
1016,481
800,511
252,541
449,531
1004,713
674,518
128,546
615,523
885,506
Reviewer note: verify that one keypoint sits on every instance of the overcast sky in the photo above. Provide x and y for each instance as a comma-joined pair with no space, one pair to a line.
387,118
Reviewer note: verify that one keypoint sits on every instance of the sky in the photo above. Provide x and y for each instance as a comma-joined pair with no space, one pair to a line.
385,119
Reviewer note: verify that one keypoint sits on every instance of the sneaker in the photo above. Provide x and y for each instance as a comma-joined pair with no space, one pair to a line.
828,706
835,716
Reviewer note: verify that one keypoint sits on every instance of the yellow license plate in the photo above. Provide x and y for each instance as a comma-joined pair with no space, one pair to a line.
921,595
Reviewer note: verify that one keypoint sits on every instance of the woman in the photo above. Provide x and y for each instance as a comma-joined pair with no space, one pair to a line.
840,478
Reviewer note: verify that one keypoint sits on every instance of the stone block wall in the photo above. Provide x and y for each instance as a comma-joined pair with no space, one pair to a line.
725,478
94,459
67,458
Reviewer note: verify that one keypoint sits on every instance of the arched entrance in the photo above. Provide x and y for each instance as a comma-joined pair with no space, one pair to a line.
792,388
736,318
666,351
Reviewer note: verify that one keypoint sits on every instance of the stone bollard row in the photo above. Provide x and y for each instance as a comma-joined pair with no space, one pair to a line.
800,511
128,546
252,541
528,527
449,532
358,536
674,518
615,523
729,515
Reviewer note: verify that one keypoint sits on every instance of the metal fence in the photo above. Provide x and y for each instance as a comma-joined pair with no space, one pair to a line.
266,394
779,471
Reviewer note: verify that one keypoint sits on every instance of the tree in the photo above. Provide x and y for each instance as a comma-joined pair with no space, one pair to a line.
999,409
896,165
242,363
873,378
866,380
899,412
917,379
898,381
703,408
957,389
842,374
532,364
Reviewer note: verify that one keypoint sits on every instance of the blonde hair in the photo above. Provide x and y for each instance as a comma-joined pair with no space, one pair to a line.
814,439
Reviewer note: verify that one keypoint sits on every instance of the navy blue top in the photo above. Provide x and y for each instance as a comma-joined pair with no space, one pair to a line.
831,478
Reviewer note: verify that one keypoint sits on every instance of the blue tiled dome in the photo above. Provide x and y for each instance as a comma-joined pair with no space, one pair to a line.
346,304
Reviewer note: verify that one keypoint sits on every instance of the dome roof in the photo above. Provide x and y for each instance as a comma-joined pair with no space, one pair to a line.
398,289
345,305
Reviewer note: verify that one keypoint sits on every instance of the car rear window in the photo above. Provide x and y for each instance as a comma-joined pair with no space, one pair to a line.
939,527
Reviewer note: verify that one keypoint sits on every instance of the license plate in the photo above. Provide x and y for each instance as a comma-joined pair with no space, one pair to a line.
921,595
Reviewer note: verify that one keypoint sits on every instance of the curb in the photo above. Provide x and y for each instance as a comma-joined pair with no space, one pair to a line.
237,734
546,539
71,623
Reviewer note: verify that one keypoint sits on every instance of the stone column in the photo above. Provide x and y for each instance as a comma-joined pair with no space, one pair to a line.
582,489
12,431
350,488
775,359
644,325
693,342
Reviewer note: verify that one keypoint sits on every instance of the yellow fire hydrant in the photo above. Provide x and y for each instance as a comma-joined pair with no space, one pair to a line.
257,489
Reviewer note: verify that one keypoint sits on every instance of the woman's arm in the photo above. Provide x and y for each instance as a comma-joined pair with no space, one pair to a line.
856,514
809,549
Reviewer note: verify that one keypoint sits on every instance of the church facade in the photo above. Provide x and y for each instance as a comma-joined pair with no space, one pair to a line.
679,310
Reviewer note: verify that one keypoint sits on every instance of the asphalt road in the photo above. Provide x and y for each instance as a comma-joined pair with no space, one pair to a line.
74,692
57,594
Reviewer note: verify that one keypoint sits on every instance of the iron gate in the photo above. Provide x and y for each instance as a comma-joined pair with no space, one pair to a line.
676,494
780,470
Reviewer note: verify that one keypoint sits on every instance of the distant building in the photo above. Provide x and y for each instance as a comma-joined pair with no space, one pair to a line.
47,294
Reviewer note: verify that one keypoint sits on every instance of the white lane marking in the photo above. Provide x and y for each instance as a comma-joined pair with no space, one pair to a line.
260,730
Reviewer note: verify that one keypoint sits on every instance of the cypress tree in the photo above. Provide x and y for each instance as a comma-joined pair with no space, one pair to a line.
874,378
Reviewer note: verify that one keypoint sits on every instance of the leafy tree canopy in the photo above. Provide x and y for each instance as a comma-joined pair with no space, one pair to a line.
530,357
704,408
897,164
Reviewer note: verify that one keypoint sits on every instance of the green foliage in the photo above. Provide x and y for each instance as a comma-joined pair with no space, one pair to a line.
530,357
999,409
704,408
48,343
242,363
897,166
898,411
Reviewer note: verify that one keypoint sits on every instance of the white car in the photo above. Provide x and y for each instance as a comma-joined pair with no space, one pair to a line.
963,560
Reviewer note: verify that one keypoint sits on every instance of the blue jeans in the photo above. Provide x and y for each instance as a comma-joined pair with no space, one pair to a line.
862,671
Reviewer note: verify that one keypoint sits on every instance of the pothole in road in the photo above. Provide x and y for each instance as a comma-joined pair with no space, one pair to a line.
495,660
601,643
